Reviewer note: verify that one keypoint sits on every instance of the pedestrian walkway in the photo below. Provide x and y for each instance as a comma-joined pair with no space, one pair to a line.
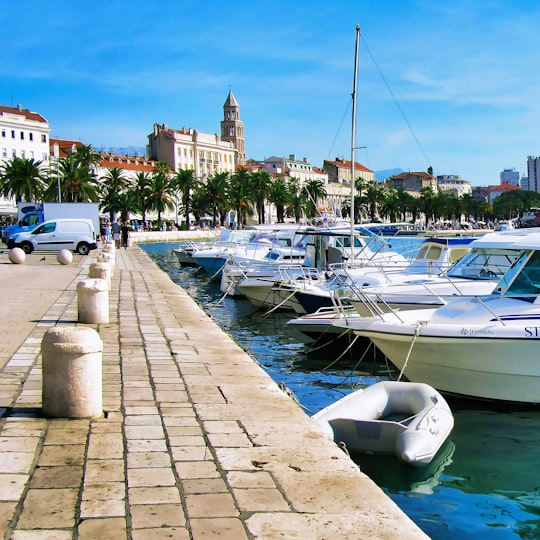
196,440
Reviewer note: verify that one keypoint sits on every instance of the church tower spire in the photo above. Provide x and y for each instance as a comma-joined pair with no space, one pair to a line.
232,128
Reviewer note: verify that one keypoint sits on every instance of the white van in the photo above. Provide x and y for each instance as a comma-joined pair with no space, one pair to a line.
56,234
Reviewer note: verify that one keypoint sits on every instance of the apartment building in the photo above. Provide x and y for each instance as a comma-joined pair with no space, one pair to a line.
190,149
203,153
453,184
533,173
23,134
412,182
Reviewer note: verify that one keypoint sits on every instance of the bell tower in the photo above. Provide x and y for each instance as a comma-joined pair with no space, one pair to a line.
232,128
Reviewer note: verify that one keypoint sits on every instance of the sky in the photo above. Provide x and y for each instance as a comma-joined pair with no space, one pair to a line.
451,85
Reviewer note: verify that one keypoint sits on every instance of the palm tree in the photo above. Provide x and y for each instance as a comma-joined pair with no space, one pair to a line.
185,181
76,182
216,190
260,182
373,194
427,202
200,204
22,179
162,190
407,204
114,184
241,197
125,204
141,190
279,196
86,156
390,207
313,191
297,200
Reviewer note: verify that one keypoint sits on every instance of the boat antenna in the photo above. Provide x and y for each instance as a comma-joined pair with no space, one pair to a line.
353,135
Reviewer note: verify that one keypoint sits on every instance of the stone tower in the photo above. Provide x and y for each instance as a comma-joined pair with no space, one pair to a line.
232,128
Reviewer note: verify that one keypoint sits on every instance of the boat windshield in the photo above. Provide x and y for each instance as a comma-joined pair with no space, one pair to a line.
484,263
523,278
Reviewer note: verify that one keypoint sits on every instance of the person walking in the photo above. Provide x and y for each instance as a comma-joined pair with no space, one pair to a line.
116,231
108,236
125,234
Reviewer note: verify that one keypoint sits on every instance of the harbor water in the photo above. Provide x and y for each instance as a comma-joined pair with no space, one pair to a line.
485,481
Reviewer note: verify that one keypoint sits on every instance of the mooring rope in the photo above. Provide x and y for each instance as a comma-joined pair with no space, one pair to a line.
416,334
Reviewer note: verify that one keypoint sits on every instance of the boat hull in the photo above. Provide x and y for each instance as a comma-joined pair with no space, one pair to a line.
488,368
264,294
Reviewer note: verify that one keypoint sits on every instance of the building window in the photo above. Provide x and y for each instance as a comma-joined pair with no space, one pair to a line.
31,136
12,133
31,154
44,138
4,152
45,158
14,153
22,135
4,133
23,154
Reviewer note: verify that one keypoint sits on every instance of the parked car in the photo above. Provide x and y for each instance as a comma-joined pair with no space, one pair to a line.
74,234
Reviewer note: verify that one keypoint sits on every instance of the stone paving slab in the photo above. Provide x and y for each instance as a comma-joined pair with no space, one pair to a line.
196,440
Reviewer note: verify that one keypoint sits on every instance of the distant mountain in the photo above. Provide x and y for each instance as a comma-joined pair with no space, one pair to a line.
125,151
385,173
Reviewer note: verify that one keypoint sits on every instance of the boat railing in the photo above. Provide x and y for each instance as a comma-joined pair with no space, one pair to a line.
291,273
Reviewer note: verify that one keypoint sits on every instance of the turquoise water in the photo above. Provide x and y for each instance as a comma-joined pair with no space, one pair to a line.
485,482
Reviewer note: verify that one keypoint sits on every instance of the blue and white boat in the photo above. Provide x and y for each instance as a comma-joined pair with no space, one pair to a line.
482,347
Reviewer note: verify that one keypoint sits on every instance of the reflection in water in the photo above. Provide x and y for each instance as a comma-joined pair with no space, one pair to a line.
485,481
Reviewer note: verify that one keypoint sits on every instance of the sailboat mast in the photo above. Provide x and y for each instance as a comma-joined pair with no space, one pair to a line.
353,136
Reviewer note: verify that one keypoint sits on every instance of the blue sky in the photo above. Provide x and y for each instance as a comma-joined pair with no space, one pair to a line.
453,85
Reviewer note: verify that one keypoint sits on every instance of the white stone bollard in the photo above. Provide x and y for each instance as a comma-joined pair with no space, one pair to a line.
72,373
107,257
93,301
101,270
64,256
17,255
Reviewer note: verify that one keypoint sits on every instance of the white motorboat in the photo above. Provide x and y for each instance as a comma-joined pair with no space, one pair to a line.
486,261
482,347
329,251
434,256
410,420
246,245
476,273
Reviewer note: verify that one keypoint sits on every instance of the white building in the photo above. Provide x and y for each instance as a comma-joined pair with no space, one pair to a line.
205,154
281,167
23,134
188,149
450,183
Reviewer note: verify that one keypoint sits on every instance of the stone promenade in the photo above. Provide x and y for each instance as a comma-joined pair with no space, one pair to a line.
196,440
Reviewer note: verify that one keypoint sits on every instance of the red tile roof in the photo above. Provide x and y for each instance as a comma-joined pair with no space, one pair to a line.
130,163
420,174
346,164
64,145
23,112
505,186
